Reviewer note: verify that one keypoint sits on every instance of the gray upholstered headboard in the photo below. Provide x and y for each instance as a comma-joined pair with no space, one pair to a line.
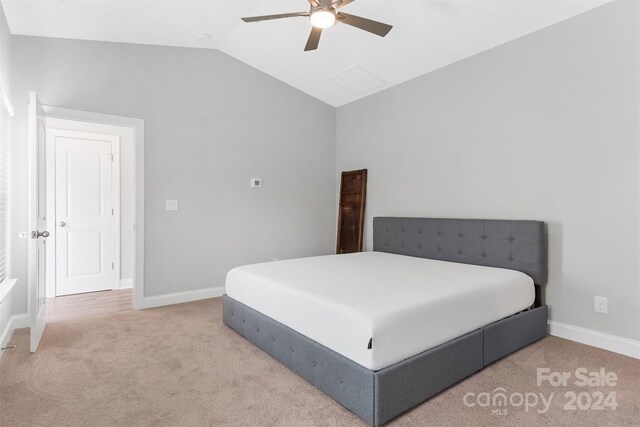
517,245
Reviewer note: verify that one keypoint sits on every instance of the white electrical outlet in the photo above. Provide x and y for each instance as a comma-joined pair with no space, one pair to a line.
601,305
171,205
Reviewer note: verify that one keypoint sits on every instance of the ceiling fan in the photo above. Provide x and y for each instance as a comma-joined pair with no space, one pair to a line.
324,14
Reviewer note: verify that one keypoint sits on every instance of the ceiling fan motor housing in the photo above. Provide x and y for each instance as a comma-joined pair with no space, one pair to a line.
322,16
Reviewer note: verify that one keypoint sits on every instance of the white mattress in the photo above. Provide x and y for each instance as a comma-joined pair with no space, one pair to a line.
405,304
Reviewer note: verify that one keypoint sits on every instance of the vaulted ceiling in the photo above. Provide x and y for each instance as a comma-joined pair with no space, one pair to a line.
349,63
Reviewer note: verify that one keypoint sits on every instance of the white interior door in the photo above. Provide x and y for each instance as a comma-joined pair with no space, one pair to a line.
37,195
85,255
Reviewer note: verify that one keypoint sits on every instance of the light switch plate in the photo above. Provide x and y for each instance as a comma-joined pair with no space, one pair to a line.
171,205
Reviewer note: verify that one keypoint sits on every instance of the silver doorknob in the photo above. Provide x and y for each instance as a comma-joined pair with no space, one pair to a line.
36,234
63,224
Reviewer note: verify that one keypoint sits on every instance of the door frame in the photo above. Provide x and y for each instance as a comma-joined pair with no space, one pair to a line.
52,194
138,186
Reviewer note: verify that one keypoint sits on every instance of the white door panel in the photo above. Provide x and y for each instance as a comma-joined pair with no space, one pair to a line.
84,213
37,247
84,187
84,253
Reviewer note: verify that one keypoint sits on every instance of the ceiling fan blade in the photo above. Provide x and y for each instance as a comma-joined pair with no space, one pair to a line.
314,39
374,27
269,17
343,3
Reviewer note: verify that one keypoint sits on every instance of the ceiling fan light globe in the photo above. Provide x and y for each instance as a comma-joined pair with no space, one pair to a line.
322,19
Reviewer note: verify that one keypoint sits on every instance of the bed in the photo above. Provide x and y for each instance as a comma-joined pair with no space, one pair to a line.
380,332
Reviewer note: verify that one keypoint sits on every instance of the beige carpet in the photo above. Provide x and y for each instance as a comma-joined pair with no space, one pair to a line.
180,366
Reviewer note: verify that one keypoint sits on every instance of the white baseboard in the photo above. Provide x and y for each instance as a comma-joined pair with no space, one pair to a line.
17,321
593,338
126,283
180,297
20,321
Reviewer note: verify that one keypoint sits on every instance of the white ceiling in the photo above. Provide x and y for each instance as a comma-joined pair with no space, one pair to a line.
427,34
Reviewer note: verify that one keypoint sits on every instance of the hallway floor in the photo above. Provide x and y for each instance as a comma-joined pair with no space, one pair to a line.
90,304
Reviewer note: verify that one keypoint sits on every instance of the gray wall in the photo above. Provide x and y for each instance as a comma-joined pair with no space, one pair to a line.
545,127
211,124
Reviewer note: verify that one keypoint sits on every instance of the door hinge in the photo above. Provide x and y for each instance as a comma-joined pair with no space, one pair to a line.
113,211
113,266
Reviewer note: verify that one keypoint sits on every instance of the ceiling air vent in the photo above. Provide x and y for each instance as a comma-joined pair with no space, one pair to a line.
358,80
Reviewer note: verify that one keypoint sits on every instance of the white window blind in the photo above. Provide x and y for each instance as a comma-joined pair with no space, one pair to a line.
4,199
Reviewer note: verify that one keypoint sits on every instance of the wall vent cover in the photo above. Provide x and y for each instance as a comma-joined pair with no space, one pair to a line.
358,80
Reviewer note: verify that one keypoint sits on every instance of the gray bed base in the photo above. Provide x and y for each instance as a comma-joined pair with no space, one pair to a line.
379,396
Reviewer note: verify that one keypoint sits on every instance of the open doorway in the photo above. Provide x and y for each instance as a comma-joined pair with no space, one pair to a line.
94,213
84,210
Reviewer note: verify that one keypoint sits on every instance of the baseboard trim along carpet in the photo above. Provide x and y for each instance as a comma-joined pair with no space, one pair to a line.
17,321
126,283
593,338
180,297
